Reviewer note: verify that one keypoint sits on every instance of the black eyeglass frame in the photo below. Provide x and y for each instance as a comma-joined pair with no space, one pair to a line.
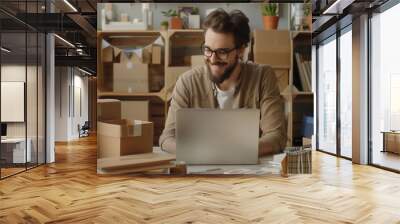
226,51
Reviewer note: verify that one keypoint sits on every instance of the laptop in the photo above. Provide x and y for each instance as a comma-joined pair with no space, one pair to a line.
217,137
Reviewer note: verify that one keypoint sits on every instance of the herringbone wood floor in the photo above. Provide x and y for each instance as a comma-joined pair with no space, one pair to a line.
69,191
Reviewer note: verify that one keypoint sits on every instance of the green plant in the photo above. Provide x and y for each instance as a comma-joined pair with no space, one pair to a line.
307,7
170,13
195,11
164,23
270,9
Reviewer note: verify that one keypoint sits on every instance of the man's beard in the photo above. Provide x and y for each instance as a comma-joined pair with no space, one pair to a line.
227,73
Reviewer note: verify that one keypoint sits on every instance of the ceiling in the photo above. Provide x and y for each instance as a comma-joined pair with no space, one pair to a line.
330,16
76,26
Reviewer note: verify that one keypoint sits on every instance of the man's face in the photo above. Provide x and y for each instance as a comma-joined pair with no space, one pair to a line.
222,62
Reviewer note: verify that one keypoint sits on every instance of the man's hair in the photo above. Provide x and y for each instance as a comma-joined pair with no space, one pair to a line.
235,22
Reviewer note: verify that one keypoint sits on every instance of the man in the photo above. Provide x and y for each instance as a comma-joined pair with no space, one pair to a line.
227,82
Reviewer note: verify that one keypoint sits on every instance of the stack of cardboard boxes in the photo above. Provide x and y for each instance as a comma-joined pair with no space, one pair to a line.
131,74
273,48
117,136
124,140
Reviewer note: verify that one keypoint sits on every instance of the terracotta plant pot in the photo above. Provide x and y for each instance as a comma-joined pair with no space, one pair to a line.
309,22
270,22
176,23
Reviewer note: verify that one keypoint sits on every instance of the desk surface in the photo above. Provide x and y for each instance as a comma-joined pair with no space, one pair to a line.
267,165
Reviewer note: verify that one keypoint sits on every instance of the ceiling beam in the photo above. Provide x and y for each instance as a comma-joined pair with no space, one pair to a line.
84,24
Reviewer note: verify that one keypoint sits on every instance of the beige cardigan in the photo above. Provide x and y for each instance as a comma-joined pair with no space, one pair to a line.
257,88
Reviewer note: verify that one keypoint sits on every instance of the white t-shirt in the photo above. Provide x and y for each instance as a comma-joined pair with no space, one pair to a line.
225,98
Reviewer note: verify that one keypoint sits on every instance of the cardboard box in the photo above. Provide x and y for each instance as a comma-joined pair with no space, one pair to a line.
108,109
117,55
123,137
146,54
156,54
130,76
392,141
135,110
272,47
172,74
108,54
283,78
197,60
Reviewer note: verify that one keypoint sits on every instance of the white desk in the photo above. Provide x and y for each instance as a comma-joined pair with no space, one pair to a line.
267,165
16,146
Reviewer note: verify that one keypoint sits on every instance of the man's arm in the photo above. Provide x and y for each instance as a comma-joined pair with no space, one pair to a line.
180,99
273,122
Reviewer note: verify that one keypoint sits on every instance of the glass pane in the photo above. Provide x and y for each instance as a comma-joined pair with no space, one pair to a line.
41,98
327,97
31,97
385,84
346,94
13,86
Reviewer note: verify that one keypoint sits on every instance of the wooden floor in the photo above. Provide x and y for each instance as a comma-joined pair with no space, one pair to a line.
69,191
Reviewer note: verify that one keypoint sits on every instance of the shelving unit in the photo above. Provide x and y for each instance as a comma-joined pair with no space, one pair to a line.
178,46
297,103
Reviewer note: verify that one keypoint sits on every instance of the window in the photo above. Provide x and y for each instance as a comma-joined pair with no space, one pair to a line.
22,75
327,96
385,86
346,93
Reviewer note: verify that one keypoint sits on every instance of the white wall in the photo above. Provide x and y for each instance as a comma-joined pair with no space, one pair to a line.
61,103
16,73
69,81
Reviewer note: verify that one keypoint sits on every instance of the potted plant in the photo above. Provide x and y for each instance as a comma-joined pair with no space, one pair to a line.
270,16
308,14
194,19
175,22
164,25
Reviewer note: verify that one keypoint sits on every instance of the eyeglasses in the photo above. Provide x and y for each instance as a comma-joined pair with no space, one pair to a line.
221,53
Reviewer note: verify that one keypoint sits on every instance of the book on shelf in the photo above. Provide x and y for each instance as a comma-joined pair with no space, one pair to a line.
304,68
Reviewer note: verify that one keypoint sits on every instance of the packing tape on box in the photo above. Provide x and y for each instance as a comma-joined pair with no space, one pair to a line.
137,126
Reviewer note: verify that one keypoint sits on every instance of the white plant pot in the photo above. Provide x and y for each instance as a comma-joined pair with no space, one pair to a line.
194,22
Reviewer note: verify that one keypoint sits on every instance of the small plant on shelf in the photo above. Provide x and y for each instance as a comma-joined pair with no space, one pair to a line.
195,11
164,25
270,16
169,13
175,21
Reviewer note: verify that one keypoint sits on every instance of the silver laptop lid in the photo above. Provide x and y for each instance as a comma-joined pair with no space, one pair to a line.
215,136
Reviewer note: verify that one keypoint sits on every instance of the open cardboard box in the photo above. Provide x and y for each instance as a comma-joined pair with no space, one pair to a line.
123,137
130,75
135,110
